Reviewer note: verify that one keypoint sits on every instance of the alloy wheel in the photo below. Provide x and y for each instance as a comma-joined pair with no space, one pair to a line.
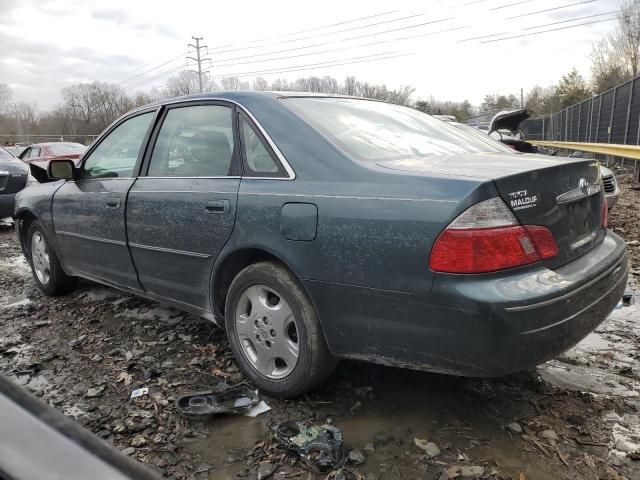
40,258
267,331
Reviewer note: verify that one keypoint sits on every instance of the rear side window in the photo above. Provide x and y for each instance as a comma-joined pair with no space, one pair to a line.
375,131
258,159
117,153
194,142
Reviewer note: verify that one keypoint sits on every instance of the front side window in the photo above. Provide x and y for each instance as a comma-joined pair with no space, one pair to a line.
376,131
194,142
117,153
259,161
34,152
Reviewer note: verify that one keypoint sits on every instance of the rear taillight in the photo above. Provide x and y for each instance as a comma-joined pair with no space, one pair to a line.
604,212
486,238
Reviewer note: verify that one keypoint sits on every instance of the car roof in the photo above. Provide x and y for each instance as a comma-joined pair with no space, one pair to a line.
243,95
47,144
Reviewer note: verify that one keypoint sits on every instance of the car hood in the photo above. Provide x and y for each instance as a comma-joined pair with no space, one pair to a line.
476,165
509,120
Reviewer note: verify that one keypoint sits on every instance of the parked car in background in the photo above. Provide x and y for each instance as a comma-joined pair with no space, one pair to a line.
15,150
505,127
322,227
13,178
45,152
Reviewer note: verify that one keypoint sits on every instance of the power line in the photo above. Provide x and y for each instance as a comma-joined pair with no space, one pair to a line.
360,27
116,78
309,29
341,40
510,5
168,72
550,30
573,20
551,9
152,69
312,66
331,50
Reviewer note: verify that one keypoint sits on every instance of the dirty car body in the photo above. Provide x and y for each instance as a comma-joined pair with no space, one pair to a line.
382,234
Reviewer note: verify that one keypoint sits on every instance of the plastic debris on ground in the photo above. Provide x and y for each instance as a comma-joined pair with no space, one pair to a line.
319,447
138,392
236,399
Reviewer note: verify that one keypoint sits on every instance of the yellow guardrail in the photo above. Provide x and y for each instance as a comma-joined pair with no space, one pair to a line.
613,149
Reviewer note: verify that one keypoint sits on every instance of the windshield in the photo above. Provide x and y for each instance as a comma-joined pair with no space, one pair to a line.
375,131
481,135
64,148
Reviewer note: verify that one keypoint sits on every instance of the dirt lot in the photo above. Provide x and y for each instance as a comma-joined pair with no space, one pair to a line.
574,418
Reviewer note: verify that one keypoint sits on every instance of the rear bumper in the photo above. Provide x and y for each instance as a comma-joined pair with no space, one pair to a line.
484,325
7,204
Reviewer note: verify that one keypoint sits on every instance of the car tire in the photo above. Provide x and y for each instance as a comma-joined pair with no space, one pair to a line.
277,339
45,266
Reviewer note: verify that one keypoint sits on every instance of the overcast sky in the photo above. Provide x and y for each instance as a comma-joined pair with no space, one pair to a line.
47,45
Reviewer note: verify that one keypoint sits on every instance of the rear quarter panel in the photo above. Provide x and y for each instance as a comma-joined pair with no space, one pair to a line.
376,233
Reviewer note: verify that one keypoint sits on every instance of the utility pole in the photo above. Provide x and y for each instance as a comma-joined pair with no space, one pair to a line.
199,58
521,97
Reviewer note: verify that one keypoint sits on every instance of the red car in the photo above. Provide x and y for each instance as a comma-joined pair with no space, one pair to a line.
43,152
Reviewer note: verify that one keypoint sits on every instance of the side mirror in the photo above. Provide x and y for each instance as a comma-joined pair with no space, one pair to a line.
61,169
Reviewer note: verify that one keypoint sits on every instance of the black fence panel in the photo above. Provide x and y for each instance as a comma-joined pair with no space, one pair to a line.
604,123
619,117
634,115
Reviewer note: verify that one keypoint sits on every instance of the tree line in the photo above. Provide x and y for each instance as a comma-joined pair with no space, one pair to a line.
88,108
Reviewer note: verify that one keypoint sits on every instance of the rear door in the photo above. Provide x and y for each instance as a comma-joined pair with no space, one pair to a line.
89,212
181,213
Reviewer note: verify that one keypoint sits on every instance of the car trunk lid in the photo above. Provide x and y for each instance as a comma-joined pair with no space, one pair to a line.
563,195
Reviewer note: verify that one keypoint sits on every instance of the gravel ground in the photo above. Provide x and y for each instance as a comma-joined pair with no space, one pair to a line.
574,418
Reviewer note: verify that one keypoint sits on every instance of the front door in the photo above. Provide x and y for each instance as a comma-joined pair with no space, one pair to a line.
180,215
89,212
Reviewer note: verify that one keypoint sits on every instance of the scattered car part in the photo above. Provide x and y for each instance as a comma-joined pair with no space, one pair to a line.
320,447
627,299
234,399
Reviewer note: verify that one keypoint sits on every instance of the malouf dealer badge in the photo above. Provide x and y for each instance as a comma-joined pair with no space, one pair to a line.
521,199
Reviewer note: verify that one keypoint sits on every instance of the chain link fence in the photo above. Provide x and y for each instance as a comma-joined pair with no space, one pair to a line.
28,139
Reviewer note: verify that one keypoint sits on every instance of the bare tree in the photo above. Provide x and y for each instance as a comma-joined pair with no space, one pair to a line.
234,83
616,58
349,87
5,96
260,84
184,83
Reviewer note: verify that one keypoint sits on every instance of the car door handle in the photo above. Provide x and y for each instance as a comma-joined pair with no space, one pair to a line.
217,206
113,202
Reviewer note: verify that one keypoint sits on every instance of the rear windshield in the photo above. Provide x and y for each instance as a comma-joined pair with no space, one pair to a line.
376,131
5,155
63,148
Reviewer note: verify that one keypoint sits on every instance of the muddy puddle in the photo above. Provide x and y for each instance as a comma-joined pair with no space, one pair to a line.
383,414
